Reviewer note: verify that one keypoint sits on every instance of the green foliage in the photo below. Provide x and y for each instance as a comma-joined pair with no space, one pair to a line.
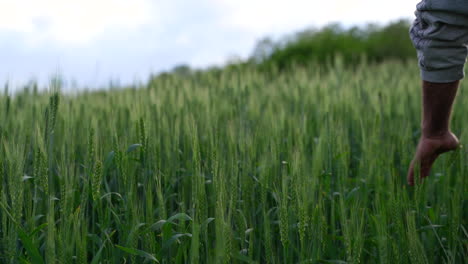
370,43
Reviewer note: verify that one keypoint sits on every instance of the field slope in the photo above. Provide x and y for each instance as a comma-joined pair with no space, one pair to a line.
234,166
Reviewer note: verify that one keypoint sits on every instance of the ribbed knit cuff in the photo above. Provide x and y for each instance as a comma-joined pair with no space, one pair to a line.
443,76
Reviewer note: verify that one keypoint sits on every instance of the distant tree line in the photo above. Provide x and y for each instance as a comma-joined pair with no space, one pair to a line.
371,43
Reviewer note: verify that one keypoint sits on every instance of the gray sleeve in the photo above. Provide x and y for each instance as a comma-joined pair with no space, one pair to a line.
441,44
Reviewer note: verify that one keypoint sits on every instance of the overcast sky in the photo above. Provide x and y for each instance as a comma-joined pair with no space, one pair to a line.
94,41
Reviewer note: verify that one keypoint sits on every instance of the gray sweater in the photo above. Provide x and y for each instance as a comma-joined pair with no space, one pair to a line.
455,11
440,35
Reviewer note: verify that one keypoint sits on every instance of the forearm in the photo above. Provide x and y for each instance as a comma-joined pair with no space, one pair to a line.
438,100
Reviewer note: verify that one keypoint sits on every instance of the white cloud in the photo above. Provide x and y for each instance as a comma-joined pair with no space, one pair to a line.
80,21
183,39
271,16
72,21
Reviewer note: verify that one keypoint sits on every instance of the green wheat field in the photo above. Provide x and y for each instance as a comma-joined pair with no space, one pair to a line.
231,166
